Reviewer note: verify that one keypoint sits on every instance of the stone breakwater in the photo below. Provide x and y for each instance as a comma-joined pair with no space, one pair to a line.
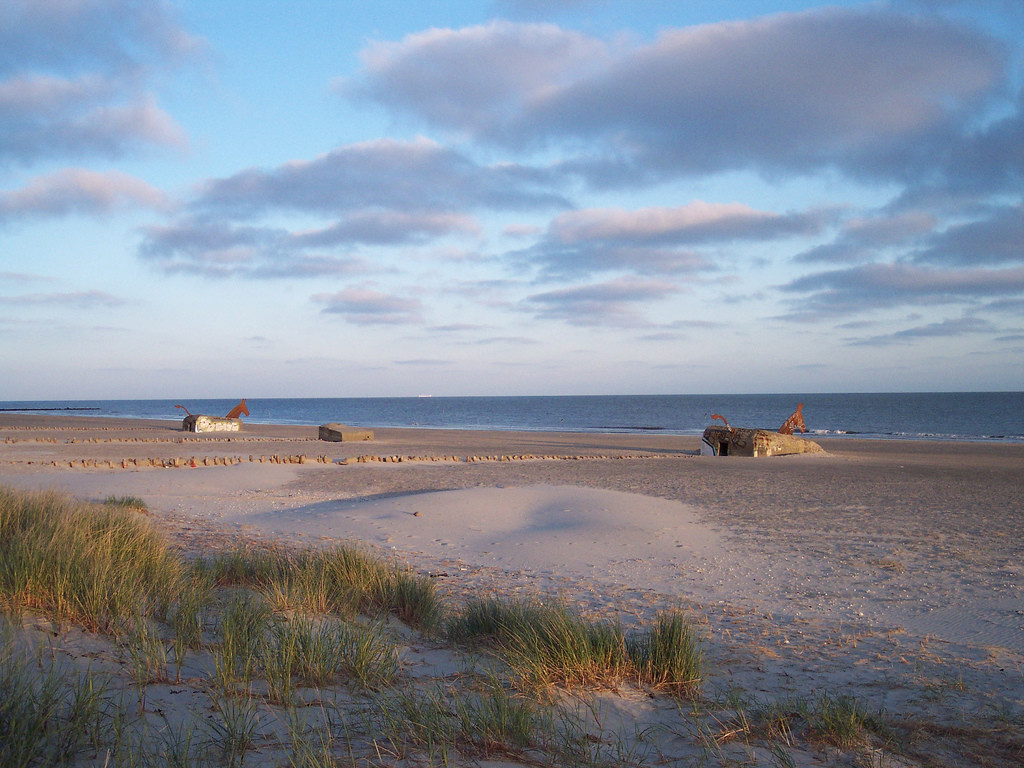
193,462
396,459
8,440
41,444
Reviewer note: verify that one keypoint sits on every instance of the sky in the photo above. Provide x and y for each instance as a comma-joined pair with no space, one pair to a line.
509,197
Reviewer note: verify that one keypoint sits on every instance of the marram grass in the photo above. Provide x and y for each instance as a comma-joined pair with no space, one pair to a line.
277,627
669,656
95,565
106,568
342,580
50,714
553,645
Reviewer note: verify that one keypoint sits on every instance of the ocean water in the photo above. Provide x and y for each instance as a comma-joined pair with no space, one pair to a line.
935,415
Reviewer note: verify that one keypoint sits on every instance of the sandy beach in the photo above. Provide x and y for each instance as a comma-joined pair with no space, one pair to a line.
892,571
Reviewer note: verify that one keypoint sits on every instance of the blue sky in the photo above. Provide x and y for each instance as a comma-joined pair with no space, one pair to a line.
272,199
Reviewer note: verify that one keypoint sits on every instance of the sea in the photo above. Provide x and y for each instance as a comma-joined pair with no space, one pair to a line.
975,416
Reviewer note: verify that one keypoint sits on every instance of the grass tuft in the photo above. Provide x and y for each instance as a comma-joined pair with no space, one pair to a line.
367,655
841,721
127,502
343,580
498,722
97,566
669,657
186,617
234,730
148,656
244,622
552,645
48,716
317,654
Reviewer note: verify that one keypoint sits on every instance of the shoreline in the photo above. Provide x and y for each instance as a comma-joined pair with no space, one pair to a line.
65,414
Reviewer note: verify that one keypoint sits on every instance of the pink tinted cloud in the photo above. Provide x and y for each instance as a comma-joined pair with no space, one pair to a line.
368,307
78,191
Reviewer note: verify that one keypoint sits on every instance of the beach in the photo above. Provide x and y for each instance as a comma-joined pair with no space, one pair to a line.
892,571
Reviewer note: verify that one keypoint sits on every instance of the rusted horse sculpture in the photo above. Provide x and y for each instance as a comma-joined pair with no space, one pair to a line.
241,408
235,412
793,423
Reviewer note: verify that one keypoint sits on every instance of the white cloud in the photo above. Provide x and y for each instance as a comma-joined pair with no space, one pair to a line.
477,79
944,329
866,90
390,227
862,238
363,306
616,302
79,190
657,240
996,239
74,299
416,175
882,285
105,34
375,193
215,248
73,77
695,222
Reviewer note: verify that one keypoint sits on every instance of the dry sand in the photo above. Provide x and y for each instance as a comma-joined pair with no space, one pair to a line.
886,570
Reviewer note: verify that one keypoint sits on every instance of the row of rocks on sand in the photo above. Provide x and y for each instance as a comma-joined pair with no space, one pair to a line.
220,461
8,440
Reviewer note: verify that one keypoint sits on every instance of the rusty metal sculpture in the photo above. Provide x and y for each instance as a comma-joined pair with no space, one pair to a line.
739,441
794,422
720,416
241,408
234,413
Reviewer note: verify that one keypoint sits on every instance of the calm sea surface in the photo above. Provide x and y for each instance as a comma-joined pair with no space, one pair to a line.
936,416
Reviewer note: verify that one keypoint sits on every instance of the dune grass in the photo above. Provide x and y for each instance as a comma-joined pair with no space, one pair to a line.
290,636
50,714
552,645
106,568
669,656
127,502
242,627
342,580
834,722
270,621
187,617
93,565
445,722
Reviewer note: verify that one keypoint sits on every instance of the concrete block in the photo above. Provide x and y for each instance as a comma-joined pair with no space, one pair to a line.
200,423
732,441
340,433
